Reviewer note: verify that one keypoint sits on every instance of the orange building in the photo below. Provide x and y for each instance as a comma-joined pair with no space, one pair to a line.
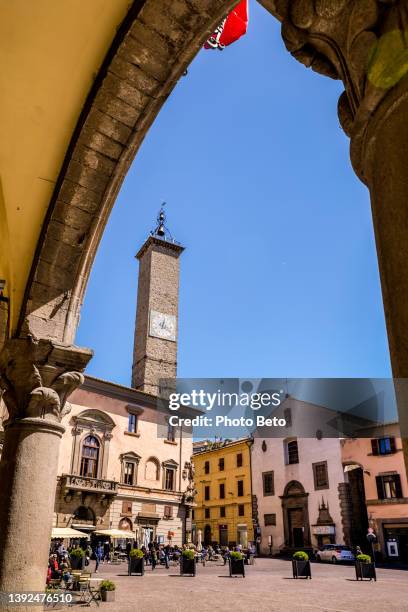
377,464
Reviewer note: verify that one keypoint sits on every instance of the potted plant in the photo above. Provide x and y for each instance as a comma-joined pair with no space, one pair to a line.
136,562
365,568
187,562
301,565
236,564
107,590
77,558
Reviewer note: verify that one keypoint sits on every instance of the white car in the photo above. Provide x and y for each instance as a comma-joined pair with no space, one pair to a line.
335,553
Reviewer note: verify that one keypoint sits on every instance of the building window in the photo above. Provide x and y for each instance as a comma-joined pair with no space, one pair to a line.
292,452
221,464
193,514
268,483
132,423
126,507
383,446
169,479
207,513
240,487
90,457
389,486
129,473
171,433
241,510
168,512
222,511
207,467
222,491
269,519
239,460
206,492
320,475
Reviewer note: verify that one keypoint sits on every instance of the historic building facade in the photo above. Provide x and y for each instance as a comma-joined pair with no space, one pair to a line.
377,463
302,497
223,512
115,469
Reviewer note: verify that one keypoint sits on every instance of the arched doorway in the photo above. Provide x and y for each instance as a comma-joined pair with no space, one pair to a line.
207,535
296,515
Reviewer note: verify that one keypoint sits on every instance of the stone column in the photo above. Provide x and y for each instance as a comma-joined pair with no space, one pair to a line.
36,377
365,44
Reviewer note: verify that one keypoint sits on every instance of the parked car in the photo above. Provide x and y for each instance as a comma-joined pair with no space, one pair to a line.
335,553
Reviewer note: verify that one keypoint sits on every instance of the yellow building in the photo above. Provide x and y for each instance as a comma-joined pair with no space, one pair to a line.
224,492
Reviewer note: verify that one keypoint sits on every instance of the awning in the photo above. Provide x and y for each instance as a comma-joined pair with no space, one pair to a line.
67,532
115,533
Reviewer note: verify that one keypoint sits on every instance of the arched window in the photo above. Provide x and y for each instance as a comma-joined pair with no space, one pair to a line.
90,457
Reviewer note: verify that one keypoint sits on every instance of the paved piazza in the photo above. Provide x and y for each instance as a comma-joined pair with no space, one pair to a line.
267,586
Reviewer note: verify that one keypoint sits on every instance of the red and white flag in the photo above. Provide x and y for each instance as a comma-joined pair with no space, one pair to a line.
232,27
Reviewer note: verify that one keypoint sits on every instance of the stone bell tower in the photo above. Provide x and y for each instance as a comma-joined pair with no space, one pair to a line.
155,346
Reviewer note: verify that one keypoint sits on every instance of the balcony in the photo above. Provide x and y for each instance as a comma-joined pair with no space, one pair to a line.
74,483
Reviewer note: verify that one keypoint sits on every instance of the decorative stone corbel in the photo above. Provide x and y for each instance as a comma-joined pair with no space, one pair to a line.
362,42
37,376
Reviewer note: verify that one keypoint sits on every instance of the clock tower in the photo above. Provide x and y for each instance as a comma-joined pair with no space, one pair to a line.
155,345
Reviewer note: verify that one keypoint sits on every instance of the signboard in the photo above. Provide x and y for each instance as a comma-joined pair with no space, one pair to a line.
323,529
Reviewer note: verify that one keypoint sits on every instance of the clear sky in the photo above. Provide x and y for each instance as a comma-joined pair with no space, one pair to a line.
279,277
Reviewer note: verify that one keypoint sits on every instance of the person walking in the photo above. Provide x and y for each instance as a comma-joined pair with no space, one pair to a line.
153,556
98,555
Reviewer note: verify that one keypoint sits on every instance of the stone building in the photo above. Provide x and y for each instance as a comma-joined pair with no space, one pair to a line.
377,464
223,511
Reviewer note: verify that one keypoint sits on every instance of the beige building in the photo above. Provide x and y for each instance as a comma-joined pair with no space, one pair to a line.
117,472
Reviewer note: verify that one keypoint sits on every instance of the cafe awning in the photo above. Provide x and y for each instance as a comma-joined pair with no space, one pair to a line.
115,533
67,532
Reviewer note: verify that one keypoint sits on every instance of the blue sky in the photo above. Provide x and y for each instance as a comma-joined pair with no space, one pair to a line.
279,277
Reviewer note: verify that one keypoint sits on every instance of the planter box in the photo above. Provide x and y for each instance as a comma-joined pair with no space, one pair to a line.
365,570
237,567
301,569
136,566
187,566
77,563
107,595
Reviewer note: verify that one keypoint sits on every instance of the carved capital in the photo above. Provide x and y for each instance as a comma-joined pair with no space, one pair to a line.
37,376
362,42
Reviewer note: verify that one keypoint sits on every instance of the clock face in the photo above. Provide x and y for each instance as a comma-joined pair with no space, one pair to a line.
162,325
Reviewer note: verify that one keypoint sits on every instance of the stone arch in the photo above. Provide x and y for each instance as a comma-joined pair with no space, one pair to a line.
126,524
84,514
295,510
152,49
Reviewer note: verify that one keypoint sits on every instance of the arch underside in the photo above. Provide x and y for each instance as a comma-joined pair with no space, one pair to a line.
155,43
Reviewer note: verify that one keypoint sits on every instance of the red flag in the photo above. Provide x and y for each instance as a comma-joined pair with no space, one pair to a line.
232,27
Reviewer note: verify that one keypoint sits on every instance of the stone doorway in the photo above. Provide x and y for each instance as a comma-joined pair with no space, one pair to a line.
295,511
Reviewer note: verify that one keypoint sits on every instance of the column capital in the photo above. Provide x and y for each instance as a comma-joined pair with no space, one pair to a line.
362,42
38,375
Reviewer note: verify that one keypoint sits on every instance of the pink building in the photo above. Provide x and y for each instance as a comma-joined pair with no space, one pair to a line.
378,465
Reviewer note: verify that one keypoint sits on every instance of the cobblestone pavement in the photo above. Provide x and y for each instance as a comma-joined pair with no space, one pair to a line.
268,586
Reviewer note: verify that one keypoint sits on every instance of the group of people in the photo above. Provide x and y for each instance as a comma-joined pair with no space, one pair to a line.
59,565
